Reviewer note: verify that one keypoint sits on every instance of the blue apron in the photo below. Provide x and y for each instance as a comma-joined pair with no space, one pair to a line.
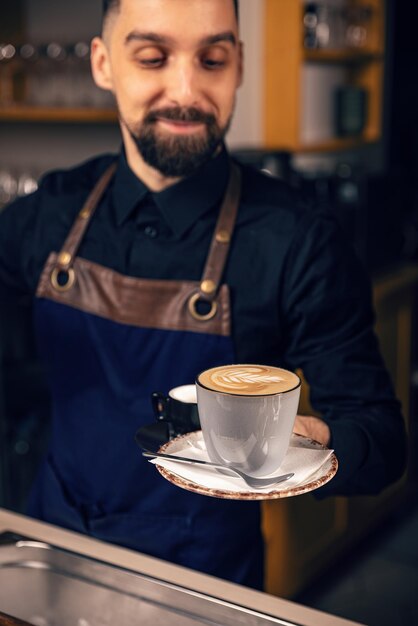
108,341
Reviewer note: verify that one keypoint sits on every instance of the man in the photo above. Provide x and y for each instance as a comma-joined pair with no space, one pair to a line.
172,265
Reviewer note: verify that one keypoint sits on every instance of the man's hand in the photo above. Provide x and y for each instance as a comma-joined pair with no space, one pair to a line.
312,427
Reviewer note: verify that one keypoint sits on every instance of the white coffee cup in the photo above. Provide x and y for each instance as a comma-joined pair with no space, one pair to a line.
247,413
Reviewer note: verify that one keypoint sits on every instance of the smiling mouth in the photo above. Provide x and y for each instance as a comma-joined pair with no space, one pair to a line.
180,126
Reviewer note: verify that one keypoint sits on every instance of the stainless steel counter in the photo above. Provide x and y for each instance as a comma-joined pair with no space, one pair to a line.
53,577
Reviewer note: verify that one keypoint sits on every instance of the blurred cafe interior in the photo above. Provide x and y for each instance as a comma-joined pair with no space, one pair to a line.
329,105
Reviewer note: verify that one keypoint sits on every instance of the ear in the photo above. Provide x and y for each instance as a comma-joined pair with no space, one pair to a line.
100,64
240,64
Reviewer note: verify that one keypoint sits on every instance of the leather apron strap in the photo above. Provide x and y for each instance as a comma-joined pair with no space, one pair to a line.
63,275
69,250
218,252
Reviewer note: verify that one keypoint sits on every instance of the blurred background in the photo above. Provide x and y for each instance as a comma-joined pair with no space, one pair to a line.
328,104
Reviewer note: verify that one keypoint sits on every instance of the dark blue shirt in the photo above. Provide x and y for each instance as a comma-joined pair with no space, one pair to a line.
300,298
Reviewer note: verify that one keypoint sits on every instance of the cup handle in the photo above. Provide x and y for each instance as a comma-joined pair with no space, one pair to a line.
159,405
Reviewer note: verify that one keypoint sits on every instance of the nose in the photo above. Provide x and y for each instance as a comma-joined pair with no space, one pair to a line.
183,85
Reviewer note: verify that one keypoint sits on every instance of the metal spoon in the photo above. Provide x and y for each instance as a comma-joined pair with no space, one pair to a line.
257,483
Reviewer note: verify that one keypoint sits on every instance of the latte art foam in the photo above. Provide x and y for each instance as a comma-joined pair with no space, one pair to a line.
252,380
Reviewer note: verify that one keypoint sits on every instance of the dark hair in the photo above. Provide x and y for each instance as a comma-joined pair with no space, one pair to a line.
112,4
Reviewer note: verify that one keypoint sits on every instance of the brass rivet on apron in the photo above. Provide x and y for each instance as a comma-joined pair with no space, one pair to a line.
56,272
64,258
223,236
198,316
207,286
84,214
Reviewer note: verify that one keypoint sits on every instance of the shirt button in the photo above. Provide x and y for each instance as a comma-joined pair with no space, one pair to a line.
151,232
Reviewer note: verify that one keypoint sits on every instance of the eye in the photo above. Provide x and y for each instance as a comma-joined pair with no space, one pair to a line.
155,62
151,58
214,58
212,64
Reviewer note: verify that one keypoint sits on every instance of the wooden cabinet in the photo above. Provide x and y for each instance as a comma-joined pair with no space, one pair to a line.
18,102
304,536
300,83
80,115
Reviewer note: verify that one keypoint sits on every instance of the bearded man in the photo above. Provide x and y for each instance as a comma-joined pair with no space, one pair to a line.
169,258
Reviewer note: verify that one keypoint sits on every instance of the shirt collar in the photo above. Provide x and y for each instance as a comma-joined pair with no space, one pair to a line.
128,190
180,204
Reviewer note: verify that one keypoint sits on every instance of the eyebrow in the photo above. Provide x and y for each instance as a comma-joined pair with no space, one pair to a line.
136,35
226,36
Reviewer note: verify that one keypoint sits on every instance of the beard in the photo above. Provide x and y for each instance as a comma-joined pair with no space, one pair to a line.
176,155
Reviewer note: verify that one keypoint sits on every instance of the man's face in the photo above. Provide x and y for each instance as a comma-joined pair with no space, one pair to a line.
174,67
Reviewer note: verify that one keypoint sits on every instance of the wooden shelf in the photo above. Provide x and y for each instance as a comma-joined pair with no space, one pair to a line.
343,57
290,70
57,115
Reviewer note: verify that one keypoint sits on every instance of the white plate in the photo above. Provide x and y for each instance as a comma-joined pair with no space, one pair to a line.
312,470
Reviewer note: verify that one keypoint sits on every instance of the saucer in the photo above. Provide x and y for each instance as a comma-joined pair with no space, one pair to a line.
209,482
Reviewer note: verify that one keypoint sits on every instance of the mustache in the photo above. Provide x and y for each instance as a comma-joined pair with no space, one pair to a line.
181,114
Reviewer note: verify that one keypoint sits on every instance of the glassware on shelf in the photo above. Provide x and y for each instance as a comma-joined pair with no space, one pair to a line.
316,22
47,84
310,23
57,83
8,187
323,26
83,78
81,89
337,27
37,79
358,18
327,25
16,183
50,75
80,83
7,61
26,183
323,31
28,54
